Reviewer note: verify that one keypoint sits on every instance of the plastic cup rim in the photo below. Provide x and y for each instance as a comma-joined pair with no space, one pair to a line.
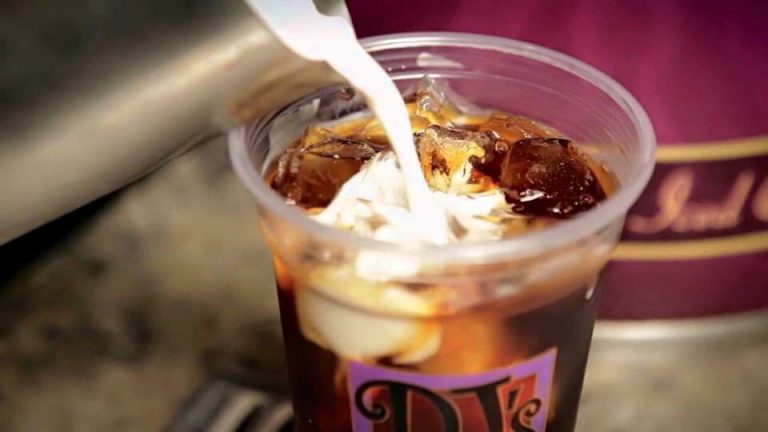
529,244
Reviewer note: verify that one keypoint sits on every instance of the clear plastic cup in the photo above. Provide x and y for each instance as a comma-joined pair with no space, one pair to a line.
487,336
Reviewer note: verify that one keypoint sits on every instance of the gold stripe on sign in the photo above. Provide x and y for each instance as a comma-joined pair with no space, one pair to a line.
692,249
716,150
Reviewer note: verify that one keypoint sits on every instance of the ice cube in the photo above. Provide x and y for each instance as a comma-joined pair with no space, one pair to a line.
342,148
445,152
374,132
548,177
434,101
512,128
310,175
428,102
431,105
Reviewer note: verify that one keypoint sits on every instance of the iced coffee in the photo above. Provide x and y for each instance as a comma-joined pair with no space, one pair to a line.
382,342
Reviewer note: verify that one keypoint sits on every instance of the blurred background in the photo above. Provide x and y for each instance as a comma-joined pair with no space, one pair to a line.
151,307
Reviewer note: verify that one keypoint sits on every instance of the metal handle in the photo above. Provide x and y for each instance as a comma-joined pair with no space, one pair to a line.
87,137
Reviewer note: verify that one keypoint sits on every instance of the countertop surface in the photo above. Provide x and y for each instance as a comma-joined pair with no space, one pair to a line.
168,284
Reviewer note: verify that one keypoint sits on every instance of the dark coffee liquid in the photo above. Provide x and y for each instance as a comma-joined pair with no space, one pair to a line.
484,338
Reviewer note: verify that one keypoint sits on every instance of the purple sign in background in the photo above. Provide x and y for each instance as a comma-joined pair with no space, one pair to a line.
699,68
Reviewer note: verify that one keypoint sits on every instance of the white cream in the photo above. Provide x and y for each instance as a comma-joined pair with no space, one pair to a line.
363,320
374,203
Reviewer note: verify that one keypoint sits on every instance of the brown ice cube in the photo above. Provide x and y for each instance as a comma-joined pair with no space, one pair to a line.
431,105
547,177
312,173
443,151
512,128
436,102
428,103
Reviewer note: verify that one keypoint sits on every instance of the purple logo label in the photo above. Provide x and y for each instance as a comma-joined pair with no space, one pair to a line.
510,399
